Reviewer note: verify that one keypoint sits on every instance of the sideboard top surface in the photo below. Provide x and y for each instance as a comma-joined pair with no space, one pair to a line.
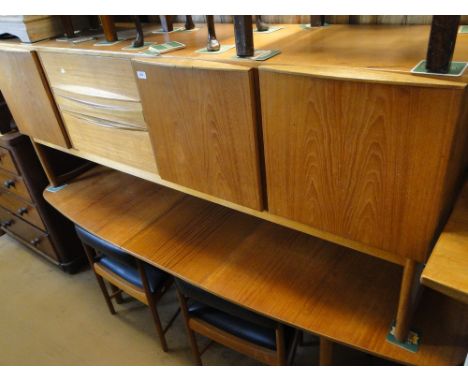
371,52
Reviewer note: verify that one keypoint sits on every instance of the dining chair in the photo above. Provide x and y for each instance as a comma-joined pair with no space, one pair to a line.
233,326
125,273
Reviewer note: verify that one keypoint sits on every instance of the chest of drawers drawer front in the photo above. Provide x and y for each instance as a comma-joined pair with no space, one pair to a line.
20,207
6,161
25,231
14,184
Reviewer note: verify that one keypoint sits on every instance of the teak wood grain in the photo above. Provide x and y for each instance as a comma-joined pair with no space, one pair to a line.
98,76
203,125
447,268
347,52
155,178
127,146
332,291
351,158
100,106
28,96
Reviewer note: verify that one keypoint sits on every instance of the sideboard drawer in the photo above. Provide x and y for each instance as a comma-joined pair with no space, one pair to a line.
111,141
97,76
15,184
127,114
100,88
25,231
20,207
6,161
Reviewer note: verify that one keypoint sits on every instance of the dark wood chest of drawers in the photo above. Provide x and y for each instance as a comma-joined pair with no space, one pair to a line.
24,214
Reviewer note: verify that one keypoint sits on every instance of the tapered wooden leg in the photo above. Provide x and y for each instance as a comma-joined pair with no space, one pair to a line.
53,180
105,292
189,23
409,292
93,22
90,254
296,341
326,352
213,44
262,26
166,23
442,40
316,21
108,27
157,324
68,26
190,333
139,39
280,345
152,305
244,36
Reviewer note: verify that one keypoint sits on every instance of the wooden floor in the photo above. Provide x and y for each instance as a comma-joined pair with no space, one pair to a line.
52,318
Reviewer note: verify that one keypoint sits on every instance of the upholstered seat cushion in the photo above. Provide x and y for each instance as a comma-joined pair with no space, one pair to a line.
233,318
121,262
130,273
236,326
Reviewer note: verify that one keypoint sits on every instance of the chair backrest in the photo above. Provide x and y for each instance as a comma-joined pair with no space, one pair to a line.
191,292
102,246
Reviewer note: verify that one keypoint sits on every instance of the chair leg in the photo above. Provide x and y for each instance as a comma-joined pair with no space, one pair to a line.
90,254
295,343
326,352
157,323
152,305
280,345
118,296
190,333
105,292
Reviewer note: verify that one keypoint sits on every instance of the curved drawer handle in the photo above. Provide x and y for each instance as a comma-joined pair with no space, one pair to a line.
7,223
22,211
104,122
9,183
34,242
96,104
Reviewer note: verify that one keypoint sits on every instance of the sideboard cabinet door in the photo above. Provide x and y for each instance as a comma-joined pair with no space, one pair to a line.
203,126
28,97
371,162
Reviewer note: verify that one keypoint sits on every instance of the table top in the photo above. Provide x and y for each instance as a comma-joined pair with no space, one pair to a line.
447,268
373,52
300,280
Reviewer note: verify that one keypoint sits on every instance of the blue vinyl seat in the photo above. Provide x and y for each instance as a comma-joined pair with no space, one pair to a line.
265,339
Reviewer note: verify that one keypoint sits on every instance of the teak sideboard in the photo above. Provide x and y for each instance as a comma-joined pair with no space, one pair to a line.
333,137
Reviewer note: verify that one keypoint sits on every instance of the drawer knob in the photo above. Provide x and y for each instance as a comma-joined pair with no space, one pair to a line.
35,241
9,183
22,211
7,223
